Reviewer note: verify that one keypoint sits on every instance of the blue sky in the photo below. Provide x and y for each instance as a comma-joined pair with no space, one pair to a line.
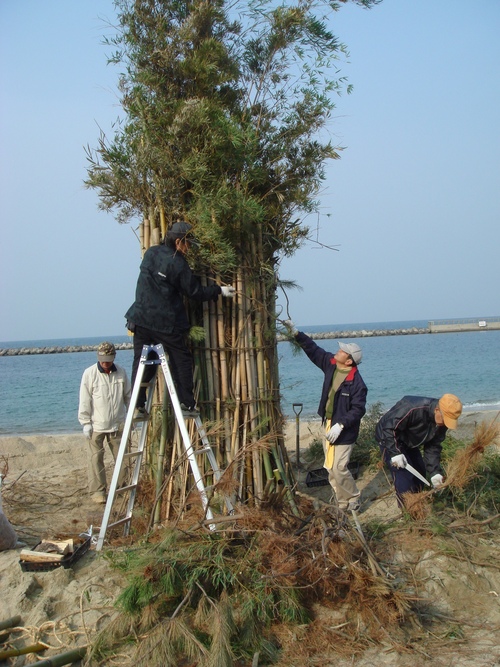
413,205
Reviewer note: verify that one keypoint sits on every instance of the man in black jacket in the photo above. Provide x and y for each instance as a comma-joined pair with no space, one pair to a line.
158,315
414,422
341,407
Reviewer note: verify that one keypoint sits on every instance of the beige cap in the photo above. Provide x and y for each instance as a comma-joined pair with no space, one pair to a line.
106,351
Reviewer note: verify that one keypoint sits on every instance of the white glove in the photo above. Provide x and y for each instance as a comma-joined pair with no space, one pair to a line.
228,291
87,431
290,326
399,461
334,433
437,480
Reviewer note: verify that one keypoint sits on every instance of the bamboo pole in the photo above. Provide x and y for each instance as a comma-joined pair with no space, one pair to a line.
208,356
163,223
222,351
224,371
10,622
148,225
161,459
170,487
63,658
13,652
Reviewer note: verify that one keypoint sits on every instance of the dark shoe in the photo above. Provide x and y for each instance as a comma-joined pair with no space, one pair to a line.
141,415
191,411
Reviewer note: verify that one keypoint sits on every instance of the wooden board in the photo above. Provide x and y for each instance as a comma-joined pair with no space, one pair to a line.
66,547
39,556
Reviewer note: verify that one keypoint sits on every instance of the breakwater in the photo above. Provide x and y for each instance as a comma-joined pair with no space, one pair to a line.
364,333
324,335
56,349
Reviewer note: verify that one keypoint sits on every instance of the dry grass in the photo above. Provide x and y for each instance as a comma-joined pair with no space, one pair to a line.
305,563
461,468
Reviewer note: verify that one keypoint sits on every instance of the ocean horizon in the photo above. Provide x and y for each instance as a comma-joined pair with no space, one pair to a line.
39,393
123,338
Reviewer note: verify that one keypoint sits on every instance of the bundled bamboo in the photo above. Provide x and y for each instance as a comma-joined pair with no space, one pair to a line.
238,394
212,135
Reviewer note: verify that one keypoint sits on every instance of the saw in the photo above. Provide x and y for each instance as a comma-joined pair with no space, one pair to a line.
416,474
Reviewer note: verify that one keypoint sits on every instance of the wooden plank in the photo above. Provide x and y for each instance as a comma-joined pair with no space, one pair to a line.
64,546
40,556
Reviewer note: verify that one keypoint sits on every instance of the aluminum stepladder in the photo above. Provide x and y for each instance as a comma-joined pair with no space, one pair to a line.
124,455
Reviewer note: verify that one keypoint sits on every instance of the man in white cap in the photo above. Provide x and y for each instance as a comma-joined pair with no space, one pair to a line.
341,407
104,398
416,422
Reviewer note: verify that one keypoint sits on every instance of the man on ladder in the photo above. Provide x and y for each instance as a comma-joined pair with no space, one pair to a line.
159,323
158,316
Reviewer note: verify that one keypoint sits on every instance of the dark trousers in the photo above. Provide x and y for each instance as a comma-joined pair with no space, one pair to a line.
179,358
404,481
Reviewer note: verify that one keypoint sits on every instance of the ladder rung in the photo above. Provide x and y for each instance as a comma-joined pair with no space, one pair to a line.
129,455
204,450
120,522
126,488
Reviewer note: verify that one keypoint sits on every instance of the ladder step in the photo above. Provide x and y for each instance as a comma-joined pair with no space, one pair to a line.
120,522
129,455
203,450
122,489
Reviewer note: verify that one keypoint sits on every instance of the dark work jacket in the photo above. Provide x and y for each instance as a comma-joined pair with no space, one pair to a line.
164,278
350,397
409,424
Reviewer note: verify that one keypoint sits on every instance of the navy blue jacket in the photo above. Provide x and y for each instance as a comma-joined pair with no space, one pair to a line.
165,277
350,397
410,423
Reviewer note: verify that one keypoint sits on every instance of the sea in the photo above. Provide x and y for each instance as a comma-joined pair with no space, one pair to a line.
39,393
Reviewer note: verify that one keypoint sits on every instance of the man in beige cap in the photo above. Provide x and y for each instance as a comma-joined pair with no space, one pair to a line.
104,399
414,422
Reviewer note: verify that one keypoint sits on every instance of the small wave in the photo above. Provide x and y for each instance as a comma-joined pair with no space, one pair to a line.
482,405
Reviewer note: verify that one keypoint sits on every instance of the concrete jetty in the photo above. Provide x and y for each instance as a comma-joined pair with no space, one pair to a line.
465,324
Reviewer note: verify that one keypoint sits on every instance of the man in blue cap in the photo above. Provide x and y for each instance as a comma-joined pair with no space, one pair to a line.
158,315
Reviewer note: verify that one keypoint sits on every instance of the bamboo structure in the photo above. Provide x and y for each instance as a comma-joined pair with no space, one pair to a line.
224,135
237,388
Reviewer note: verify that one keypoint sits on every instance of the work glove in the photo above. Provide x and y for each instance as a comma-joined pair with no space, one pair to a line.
228,291
437,480
290,327
334,433
87,431
399,461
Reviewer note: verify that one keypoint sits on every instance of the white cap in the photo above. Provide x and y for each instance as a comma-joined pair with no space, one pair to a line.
353,350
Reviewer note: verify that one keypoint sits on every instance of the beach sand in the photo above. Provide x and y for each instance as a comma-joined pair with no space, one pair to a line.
44,495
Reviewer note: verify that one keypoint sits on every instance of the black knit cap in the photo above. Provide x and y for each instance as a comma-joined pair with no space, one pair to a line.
181,230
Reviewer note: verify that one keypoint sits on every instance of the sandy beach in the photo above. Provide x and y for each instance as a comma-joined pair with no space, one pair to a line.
44,494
